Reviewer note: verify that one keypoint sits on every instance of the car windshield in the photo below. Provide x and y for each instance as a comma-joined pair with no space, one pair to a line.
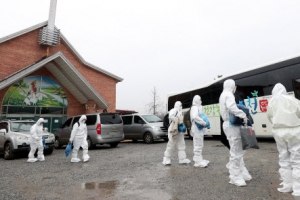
151,118
21,126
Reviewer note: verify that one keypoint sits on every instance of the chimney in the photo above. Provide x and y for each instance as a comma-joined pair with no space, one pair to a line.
52,13
49,35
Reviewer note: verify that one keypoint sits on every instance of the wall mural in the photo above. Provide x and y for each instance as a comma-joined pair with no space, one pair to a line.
252,103
254,107
212,110
36,91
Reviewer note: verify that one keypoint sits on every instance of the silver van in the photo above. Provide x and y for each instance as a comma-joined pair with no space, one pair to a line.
144,127
104,128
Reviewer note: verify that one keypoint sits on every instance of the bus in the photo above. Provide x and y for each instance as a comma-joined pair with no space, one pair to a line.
255,84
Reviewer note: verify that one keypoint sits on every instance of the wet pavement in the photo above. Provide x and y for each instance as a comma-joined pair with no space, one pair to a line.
134,171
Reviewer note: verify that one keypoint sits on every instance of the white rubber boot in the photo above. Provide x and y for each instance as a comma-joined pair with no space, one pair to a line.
245,173
41,158
236,177
75,160
166,161
202,163
296,182
32,159
287,180
184,161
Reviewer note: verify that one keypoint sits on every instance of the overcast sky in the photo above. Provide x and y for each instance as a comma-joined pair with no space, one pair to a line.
173,45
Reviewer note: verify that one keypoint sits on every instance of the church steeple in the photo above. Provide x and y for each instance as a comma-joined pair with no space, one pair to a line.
49,35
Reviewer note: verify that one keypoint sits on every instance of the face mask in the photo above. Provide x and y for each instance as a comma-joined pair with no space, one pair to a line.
234,90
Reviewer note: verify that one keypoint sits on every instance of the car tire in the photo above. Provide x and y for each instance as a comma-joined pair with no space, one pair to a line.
48,151
90,143
57,144
114,144
8,154
148,138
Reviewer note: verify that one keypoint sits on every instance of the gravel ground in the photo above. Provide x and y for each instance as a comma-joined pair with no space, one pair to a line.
134,171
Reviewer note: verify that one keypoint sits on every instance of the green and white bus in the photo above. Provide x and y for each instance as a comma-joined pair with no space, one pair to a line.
256,85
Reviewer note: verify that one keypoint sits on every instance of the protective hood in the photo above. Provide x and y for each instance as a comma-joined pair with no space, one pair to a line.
41,120
283,109
229,85
83,117
197,101
177,106
278,89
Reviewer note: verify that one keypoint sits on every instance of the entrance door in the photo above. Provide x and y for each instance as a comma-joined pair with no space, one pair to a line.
47,123
56,123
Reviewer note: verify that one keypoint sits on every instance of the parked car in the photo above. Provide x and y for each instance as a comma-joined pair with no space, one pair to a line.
144,127
104,128
15,137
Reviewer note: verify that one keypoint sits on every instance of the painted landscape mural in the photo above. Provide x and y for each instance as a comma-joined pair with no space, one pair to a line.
36,91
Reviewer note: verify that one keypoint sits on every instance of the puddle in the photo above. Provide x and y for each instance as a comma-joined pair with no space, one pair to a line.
129,187
109,185
106,188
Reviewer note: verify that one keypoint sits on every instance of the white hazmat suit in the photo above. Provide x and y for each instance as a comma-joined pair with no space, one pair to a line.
175,138
238,173
197,134
78,138
284,114
36,141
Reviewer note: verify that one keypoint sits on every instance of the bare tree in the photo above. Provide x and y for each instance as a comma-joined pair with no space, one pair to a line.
156,106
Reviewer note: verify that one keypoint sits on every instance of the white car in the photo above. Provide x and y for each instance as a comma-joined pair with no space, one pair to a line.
15,135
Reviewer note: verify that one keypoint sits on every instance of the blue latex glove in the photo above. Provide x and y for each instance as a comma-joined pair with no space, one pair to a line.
44,142
181,128
200,127
68,149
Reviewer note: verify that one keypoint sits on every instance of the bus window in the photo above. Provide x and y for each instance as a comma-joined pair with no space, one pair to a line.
215,95
205,98
282,76
258,83
297,88
185,99
204,93
171,102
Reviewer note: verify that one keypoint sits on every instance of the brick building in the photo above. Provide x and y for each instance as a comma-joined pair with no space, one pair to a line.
53,82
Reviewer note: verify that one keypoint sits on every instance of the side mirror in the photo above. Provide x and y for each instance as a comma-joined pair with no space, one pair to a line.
141,122
3,131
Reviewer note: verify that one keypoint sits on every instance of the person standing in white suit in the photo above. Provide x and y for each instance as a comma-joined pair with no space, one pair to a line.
175,138
197,134
283,112
238,173
78,138
36,141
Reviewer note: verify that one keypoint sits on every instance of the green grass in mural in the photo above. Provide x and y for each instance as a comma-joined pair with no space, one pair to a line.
16,96
49,102
57,91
